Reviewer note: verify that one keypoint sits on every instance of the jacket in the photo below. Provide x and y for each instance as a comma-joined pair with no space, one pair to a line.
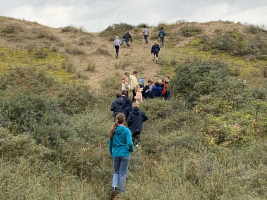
136,119
155,48
121,144
128,107
146,91
117,106
161,33
156,91
133,82
127,36
117,42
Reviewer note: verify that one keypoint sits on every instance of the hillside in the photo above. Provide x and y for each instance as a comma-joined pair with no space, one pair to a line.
207,142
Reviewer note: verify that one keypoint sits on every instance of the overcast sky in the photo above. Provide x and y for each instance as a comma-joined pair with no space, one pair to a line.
96,15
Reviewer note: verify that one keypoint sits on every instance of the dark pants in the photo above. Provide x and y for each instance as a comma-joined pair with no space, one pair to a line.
134,94
136,137
117,49
162,41
145,36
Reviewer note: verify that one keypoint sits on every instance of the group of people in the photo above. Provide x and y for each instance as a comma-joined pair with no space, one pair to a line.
127,37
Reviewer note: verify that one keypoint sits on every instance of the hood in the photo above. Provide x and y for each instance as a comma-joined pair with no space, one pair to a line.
119,130
142,80
117,37
136,111
156,87
120,101
127,33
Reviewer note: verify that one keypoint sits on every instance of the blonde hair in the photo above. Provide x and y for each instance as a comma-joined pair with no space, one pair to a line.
135,105
120,119
155,42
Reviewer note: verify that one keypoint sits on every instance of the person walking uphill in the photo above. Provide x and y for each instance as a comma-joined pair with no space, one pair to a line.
120,146
145,33
135,122
161,36
155,50
126,38
133,83
118,105
117,44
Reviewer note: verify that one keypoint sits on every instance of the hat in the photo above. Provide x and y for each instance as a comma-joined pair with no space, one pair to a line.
142,80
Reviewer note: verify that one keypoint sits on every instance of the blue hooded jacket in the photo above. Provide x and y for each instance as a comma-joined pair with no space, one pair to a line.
117,106
161,33
156,91
128,107
136,119
121,144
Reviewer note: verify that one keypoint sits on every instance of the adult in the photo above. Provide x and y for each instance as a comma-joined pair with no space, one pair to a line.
120,146
117,105
155,50
161,36
117,44
133,83
128,104
126,38
135,122
145,33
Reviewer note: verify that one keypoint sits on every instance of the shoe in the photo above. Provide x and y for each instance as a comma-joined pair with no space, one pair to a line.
146,41
114,192
117,56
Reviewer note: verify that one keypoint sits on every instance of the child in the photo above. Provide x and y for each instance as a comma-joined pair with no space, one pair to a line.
165,92
117,44
161,36
145,33
156,90
128,104
141,82
125,82
135,122
120,146
146,90
139,97
155,50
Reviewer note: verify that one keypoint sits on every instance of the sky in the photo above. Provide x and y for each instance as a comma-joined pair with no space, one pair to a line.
96,15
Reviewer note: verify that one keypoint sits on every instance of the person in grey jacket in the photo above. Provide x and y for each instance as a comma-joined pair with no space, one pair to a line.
135,122
118,105
117,44
161,36
126,38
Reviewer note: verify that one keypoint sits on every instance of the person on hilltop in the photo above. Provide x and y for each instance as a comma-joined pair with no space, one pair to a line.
135,122
155,50
125,83
128,104
120,146
133,83
145,33
126,38
118,105
161,36
116,45
156,91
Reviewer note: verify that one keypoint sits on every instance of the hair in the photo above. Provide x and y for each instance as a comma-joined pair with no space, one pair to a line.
157,82
166,81
126,73
135,72
161,28
120,119
135,105
155,42
137,87
118,95
123,92
149,81
144,26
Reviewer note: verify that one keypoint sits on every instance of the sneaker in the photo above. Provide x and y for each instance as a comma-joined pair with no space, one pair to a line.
117,56
114,192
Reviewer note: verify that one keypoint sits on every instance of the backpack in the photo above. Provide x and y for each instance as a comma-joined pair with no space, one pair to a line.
164,89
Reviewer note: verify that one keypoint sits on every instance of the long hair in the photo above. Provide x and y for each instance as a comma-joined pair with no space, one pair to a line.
120,119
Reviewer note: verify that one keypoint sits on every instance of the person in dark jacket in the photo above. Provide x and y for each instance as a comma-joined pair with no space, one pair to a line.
161,36
155,50
118,105
128,104
146,90
135,122
126,38
156,90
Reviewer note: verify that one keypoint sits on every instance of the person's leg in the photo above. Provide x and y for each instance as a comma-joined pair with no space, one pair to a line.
163,41
116,166
145,36
117,50
157,57
134,94
153,56
127,43
123,172
122,41
136,137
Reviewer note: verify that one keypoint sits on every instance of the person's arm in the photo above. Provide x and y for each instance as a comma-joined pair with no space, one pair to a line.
151,49
112,108
110,146
144,117
129,120
159,48
129,140
131,38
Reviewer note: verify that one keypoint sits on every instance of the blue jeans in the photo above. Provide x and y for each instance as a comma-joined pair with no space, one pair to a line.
125,41
120,165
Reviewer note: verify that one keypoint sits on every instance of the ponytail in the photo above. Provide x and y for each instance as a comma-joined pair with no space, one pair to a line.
112,131
120,119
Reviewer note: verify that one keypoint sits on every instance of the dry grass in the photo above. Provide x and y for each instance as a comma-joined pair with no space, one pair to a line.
122,64
73,49
91,67
102,51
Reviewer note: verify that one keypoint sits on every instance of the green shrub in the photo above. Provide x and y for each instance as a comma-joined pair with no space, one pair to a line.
188,31
116,30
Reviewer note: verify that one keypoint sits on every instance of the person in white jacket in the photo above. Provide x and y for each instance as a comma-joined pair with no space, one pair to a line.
117,44
133,83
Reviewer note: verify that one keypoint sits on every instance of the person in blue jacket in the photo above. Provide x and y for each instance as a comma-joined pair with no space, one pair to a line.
155,50
156,90
161,36
120,146
135,122
128,104
118,105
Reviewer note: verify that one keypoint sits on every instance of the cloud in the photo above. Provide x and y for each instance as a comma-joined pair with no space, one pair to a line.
97,15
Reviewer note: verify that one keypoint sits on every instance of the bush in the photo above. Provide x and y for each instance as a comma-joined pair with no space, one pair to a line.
12,28
116,30
188,31
101,51
72,49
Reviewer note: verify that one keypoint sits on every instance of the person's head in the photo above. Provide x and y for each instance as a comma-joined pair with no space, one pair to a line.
157,83
135,73
127,33
118,95
166,81
161,28
127,73
123,92
149,82
117,37
119,120
155,42
142,80
135,105
144,26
